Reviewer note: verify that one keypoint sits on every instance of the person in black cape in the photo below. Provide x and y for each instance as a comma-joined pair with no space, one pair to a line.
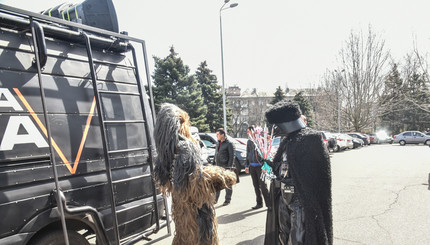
301,192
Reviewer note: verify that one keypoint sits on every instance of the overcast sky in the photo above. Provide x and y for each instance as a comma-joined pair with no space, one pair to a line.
266,43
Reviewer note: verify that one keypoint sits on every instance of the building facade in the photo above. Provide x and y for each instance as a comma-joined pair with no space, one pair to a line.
248,108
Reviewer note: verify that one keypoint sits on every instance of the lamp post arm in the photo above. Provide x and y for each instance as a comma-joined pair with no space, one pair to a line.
221,9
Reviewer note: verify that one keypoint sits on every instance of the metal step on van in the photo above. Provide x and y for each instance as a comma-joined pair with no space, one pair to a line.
76,129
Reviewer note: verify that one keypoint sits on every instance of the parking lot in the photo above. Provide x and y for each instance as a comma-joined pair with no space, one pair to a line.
380,196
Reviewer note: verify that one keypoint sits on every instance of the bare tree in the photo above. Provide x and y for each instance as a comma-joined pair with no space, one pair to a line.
363,65
368,96
417,65
417,92
238,119
325,104
248,110
406,98
422,63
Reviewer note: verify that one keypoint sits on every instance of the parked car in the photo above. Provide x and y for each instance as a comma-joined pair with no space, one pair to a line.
342,142
383,137
368,138
373,139
210,141
357,142
207,153
329,140
243,141
365,139
412,137
349,141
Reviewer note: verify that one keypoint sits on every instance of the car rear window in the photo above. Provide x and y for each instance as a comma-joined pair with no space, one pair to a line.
407,134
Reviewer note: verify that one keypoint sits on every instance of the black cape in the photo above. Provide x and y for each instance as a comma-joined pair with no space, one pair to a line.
309,166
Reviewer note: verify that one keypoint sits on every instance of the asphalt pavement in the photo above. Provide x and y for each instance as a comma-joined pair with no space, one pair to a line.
381,195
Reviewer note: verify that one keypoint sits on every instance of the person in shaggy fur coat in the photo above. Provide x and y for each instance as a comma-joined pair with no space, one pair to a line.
179,172
301,192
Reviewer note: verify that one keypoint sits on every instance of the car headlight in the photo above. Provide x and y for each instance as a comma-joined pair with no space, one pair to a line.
243,154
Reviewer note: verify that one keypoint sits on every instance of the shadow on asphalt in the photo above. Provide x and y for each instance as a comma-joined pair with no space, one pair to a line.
160,239
428,182
256,241
229,218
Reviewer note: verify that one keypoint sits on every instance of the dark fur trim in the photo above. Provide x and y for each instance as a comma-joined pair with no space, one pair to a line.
177,155
205,218
185,163
283,111
309,165
166,140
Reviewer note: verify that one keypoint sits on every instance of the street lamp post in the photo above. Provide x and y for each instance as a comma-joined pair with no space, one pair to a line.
222,60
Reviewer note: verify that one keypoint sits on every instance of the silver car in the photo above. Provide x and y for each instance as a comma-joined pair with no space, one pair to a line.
412,137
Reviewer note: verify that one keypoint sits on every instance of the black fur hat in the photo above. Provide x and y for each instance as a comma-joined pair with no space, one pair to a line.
283,111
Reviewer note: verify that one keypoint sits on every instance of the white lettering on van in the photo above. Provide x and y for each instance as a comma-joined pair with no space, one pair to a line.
10,100
12,138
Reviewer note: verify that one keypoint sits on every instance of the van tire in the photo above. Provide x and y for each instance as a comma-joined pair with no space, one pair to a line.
56,238
402,142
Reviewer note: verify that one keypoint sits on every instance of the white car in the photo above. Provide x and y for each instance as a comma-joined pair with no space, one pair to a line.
349,141
243,141
342,142
329,140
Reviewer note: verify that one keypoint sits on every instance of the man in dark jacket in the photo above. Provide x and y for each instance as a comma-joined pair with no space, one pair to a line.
253,165
224,157
301,192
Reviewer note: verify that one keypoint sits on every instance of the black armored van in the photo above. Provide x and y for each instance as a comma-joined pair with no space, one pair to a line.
76,128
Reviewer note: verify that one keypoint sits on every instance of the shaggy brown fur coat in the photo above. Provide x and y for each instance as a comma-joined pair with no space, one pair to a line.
179,172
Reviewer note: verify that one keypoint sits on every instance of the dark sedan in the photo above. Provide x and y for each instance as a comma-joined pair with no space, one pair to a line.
360,136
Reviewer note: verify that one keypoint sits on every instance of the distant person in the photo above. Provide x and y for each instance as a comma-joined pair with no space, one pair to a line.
301,193
224,157
253,166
